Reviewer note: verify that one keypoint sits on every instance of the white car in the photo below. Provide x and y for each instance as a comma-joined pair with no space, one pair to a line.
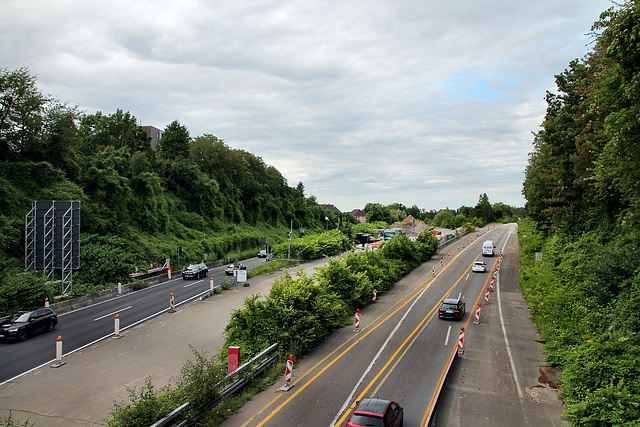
479,267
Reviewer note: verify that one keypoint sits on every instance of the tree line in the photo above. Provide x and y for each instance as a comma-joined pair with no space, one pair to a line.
140,203
582,187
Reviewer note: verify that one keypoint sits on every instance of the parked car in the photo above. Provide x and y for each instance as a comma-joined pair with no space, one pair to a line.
452,308
195,271
262,253
232,267
377,412
22,324
479,267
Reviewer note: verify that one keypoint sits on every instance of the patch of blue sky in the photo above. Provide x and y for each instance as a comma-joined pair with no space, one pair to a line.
468,85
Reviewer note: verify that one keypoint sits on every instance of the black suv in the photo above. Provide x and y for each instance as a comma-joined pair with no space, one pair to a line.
195,271
22,324
452,308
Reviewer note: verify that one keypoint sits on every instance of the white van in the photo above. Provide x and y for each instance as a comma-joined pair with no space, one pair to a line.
487,248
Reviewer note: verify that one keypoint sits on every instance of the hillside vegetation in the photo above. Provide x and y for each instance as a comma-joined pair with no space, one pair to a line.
583,204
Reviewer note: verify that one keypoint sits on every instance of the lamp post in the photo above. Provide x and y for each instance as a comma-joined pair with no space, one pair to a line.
326,218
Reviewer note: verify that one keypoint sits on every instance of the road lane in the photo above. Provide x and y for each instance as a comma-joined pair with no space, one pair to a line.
87,325
412,360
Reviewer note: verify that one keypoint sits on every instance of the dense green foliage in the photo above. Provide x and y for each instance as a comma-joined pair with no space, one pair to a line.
583,199
479,216
196,384
138,203
299,313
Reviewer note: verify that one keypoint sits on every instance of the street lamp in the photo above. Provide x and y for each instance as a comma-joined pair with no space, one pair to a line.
326,218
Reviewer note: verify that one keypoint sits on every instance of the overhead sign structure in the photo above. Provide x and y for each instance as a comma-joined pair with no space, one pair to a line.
52,238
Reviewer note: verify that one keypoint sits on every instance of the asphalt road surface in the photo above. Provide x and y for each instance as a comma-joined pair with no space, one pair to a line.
401,353
85,326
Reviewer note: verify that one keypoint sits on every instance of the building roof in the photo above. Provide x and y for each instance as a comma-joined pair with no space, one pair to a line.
331,208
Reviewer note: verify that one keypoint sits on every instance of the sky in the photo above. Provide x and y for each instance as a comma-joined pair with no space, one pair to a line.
426,103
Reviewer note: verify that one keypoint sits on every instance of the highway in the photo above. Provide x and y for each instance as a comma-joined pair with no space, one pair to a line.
83,327
400,353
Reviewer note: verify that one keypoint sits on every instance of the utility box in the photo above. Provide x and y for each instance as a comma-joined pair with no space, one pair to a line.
234,359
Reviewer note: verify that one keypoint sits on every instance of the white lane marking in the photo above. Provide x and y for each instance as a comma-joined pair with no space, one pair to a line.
111,314
504,330
446,340
103,338
373,361
194,283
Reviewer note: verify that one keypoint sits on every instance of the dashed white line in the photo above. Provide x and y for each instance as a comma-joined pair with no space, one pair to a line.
111,314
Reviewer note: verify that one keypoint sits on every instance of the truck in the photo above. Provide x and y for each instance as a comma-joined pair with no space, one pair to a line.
487,248
391,233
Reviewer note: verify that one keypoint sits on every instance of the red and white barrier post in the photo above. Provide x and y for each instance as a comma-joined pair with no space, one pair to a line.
375,296
211,284
287,375
58,361
433,271
357,321
491,285
477,321
116,327
46,302
172,306
486,296
449,255
461,341
441,261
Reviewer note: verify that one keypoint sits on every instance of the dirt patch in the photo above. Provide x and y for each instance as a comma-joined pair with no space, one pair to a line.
549,376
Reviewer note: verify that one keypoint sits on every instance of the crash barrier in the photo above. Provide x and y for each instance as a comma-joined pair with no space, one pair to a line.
119,289
232,383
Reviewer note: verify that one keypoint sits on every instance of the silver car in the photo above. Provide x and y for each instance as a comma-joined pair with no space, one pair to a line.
479,267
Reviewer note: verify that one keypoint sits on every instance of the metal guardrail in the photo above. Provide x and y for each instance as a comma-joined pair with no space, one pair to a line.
236,384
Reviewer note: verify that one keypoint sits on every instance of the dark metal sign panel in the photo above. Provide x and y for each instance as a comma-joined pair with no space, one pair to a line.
57,234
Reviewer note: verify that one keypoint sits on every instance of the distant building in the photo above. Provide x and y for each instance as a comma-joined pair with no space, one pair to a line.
359,215
154,133
331,208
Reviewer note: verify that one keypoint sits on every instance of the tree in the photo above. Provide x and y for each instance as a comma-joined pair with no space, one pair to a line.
174,142
22,106
119,130
483,209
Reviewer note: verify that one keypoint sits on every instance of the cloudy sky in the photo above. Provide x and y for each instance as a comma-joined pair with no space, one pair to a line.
428,103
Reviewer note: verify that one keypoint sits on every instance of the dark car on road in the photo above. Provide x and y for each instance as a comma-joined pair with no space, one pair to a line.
195,271
377,412
452,308
22,324
262,253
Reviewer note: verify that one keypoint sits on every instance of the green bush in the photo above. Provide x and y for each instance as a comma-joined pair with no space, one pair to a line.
584,296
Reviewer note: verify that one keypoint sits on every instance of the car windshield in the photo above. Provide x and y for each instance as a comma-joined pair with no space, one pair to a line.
19,317
193,267
367,420
454,306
